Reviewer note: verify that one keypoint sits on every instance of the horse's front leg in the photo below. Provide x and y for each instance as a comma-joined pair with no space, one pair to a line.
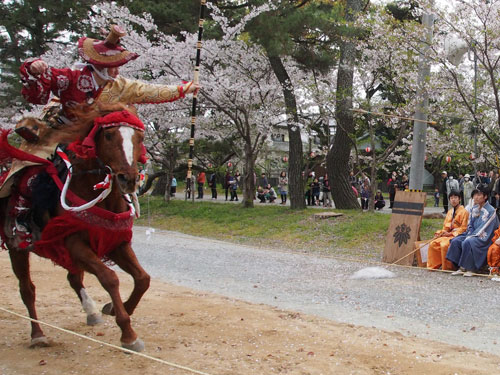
125,258
93,315
21,267
86,259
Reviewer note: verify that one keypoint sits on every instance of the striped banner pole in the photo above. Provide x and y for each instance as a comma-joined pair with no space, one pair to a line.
196,79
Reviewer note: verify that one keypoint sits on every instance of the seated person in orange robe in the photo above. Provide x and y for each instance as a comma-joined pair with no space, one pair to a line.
455,223
494,255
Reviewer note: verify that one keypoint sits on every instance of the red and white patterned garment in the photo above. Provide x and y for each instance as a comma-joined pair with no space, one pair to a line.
71,86
77,86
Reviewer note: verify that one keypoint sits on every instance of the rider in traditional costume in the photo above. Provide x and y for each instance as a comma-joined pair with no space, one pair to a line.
97,82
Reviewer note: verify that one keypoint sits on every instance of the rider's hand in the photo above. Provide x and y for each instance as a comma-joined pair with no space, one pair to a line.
38,67
190,87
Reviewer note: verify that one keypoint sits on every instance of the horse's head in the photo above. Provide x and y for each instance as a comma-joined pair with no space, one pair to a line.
119,145
116,140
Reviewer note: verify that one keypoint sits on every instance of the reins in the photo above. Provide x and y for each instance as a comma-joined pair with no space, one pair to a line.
106,185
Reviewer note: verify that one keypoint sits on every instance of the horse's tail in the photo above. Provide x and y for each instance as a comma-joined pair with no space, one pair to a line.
9,152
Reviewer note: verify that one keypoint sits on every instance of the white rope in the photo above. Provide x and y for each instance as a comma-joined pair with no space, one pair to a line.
65,188
106,344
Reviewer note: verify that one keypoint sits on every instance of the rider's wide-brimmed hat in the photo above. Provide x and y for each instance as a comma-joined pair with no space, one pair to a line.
106,53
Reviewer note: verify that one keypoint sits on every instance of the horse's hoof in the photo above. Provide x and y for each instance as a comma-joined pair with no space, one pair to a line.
108,309
136,346
94,319
39,342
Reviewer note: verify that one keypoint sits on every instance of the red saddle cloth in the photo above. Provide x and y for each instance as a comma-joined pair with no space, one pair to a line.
106,231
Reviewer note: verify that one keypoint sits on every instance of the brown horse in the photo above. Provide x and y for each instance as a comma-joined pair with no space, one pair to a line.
79,239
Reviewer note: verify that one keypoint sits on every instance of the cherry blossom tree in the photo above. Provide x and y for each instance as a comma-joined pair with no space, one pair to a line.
472,29
243,97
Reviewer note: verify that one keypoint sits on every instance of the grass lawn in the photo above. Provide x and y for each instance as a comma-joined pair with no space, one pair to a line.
354,235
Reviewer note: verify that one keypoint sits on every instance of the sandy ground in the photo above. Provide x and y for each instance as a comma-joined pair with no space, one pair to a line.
209,333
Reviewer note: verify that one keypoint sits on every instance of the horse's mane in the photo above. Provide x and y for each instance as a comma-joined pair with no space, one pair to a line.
84,119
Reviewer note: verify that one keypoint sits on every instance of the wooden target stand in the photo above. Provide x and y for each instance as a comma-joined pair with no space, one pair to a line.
404,229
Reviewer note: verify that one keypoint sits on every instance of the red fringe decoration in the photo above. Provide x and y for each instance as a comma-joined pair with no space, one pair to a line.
104,236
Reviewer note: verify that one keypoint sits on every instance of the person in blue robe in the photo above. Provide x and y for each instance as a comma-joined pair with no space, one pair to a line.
469,250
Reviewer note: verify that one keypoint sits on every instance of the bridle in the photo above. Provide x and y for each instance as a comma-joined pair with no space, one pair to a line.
86,149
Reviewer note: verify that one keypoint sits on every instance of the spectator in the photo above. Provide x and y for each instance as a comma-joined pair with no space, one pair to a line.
480,178
404,184
308,189
271,194
227,184
173,187
497,192
468,188
493,185
490,178
327,192
234,186
212,182
493,256
365,194
356,193
283,187
461,180
315,190
353,180
454,224
451,185
261,194
364,178
436,197
189,187
263,181
392,184
444,193
200,180
469,250
379,200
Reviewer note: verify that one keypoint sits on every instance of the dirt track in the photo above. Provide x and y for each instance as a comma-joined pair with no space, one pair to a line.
209,333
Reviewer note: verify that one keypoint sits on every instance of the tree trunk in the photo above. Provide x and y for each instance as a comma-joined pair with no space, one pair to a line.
338,155
338,171
295,151
161,185
373,184
150,181
248,178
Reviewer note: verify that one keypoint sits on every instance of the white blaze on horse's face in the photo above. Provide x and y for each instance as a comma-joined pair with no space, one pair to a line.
127,144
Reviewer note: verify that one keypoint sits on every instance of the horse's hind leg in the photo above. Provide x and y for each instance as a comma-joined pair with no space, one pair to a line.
125,258
86,259
93,315
21,268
